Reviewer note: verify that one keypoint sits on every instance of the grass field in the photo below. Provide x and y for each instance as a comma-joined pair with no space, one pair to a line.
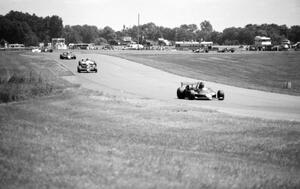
84,139
87,139
267,71
26,76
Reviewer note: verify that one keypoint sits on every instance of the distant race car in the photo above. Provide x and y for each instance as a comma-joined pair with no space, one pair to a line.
67,55
87,65
46,49
197,91
226,50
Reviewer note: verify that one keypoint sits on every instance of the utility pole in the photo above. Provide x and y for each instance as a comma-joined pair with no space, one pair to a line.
138,35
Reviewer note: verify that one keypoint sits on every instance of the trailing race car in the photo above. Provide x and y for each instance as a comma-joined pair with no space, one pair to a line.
67,55
46,49
87,65
197,91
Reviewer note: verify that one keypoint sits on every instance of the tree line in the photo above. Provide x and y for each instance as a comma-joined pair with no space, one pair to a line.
18,27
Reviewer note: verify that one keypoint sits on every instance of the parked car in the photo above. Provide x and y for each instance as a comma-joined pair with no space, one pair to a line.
296,46
36,50
251,48
200,50
226,50
279,48
87,65
108,47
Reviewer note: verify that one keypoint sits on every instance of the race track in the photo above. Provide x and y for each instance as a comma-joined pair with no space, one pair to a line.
120,76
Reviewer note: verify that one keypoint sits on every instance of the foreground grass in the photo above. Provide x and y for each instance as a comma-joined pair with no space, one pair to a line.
24,77
102,141
268,71
21,87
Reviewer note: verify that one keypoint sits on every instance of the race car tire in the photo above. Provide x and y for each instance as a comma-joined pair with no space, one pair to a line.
180,93
220,95
96,70
191,95
78,70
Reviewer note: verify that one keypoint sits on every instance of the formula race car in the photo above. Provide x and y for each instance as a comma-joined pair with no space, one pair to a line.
197,91
47,49
87,65
67,55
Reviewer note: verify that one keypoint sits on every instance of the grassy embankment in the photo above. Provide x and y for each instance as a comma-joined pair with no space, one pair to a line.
87,139
24,78
267,71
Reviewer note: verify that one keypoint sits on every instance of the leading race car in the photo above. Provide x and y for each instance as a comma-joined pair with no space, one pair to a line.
197,91
67,55
87,65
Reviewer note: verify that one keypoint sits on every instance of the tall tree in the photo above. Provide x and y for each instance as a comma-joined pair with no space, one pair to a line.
206,26
294,34
71,35
55,26
205,30
18,27
109,34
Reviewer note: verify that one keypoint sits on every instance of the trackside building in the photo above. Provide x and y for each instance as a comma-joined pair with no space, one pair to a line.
187,45
59,43
262,43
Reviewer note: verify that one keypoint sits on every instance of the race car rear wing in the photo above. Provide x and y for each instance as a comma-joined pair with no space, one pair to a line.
189,83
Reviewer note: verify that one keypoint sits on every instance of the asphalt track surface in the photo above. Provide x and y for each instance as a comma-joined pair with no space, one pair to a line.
123,77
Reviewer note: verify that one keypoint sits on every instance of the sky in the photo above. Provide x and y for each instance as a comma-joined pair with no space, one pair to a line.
168,13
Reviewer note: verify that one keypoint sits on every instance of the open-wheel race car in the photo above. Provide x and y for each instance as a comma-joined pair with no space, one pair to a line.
47,49
196,90
87,65
67,55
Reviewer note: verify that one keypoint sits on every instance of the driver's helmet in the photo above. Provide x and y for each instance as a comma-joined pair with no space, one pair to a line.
201,85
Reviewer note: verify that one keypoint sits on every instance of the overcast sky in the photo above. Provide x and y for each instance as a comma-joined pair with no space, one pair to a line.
168,13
